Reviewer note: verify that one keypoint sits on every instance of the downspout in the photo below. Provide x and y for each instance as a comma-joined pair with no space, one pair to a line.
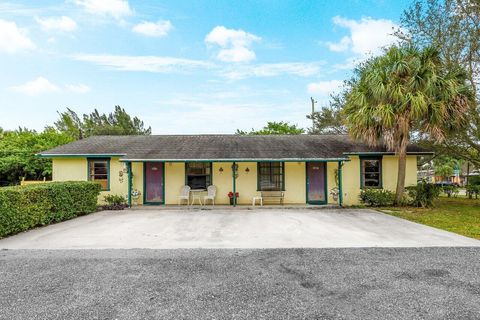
129,170
340,189
234,185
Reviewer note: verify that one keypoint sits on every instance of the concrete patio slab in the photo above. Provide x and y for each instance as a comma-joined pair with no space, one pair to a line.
273,228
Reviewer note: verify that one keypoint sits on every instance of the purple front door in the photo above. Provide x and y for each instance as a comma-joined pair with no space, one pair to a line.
316,188
154,182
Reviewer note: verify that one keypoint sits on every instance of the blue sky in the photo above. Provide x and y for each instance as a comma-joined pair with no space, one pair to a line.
183,66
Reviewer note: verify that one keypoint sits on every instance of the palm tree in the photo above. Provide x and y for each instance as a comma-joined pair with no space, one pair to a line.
405,92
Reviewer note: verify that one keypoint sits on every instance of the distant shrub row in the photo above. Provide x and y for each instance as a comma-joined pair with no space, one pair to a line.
25,207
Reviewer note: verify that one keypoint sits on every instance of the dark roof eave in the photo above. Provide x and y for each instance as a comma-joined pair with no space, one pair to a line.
240,160
83,155
388,153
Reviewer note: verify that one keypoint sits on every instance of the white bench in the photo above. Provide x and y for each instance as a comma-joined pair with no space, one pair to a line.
268,196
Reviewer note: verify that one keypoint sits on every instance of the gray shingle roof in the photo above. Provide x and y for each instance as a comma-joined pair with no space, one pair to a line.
220,147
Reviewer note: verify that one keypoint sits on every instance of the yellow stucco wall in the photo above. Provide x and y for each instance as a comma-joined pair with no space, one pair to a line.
174,180
71,169
351,181
295,183
351,176
75,169
137,181
390,172
331,182
246,183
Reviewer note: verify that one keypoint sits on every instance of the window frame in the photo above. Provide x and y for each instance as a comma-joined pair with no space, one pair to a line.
89,176
210,174
282,167
362,172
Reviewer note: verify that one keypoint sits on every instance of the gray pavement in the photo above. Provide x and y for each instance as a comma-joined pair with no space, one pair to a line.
360,283
226,228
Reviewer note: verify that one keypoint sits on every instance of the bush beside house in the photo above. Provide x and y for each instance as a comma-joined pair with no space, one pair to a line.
114,202
25,207
377,197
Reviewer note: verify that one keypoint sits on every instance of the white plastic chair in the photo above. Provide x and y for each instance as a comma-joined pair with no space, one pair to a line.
254,200
184,195
211,192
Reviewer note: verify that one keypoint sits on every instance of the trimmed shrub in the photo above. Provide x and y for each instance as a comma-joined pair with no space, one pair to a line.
377,197
423,194
25,207
114,202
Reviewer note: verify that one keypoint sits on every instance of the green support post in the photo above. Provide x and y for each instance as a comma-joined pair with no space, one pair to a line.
340,189
234,185
129,170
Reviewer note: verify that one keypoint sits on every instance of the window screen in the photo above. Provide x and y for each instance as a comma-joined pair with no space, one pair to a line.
98,171
198,175
271,176
371,172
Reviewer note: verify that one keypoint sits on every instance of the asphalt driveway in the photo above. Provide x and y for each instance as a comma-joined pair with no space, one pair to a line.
360,283
241,228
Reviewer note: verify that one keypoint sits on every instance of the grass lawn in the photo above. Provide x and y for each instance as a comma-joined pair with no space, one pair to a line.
459,215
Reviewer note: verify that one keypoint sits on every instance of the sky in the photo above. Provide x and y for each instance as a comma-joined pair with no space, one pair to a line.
184,67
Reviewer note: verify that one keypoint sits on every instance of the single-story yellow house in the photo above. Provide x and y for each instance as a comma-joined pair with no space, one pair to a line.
284,169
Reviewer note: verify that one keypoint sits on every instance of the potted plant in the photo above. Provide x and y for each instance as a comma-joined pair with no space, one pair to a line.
230,195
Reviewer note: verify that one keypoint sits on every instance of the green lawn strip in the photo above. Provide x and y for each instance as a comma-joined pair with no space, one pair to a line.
457,215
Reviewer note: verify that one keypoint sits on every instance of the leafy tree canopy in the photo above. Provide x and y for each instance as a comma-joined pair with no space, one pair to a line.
18,149
407,91
118,122
452,26
444,166
329,119
274,128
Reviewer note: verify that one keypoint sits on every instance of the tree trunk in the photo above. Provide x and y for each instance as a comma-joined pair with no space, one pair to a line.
402,166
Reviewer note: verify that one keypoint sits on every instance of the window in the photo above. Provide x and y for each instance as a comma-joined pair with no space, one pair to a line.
198,175
371,172
98,171
271,176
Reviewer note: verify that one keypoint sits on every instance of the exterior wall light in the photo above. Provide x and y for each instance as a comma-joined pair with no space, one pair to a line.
220,170
235,170
247,170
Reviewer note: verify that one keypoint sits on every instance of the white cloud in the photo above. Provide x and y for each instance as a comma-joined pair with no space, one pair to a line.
367,35
78,88
153,29
114,8
13,39
324,88
340,46
161,64
38,86
143,63
271,70
63,23
234,44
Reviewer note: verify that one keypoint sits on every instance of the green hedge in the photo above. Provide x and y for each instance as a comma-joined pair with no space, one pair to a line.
25,207
377,197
